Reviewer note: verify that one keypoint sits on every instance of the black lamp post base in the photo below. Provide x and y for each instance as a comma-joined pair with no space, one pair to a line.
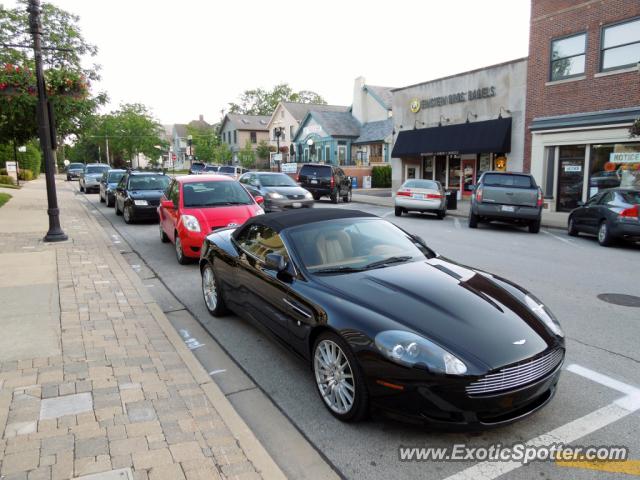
58,236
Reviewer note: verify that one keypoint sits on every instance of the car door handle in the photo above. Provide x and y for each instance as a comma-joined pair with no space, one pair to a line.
298,309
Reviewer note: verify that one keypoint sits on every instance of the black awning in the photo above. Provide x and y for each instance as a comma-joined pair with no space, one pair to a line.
474,137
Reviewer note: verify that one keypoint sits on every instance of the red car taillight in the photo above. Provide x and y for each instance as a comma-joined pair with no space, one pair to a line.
333,182
633,212
433,195
403,193
298,178
539,202
479,195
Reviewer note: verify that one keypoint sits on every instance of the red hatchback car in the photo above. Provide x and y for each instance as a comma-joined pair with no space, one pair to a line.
193,206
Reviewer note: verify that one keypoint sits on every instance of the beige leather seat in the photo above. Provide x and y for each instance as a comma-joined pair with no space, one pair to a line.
334,246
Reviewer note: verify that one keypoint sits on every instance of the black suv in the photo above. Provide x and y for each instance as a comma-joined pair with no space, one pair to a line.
325,181
138,195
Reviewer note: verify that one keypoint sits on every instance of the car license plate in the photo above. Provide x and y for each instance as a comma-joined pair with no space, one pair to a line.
508,208
314,181
417,196
296,204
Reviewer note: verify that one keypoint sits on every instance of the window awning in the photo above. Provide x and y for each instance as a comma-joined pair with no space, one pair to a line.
474,137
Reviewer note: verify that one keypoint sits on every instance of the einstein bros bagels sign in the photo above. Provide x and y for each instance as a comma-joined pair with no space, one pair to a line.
452,98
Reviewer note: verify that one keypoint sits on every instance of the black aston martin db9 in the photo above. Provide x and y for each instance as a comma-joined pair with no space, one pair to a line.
386,322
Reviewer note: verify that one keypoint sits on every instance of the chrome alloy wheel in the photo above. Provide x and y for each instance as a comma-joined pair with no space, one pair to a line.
209,289
334,376
602,232
179,251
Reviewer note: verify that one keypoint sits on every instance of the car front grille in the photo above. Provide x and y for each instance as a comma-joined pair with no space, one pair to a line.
295,197
510,378
154,203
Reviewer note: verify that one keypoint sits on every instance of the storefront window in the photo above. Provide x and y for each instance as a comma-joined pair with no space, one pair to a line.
427,167
454,172
549,169
484,163
614,165
441,169
570,176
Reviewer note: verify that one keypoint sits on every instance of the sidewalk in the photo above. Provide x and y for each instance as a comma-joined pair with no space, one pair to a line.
93,377
549,219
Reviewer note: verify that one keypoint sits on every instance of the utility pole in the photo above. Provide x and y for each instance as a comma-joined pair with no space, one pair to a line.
55,233
107,145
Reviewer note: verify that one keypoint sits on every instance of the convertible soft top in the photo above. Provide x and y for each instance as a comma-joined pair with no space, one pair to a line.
292,218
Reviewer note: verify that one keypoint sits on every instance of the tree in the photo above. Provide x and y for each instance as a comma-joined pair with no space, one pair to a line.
263,102
222,154
247,155
205,141
67,81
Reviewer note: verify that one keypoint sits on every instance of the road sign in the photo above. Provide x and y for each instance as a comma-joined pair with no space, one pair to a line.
289,167
277,157
174,157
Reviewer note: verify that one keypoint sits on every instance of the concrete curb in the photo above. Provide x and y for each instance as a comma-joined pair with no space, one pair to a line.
253,449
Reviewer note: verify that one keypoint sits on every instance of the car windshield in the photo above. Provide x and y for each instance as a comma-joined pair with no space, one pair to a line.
197,166
148,182
75,166
507,180
114,177
315,171
631,197
211,168
227,169
214,194
279,180
424,184
93,169
352,245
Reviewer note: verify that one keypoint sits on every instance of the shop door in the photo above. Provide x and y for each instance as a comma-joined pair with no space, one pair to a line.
342,155
570,177
468,175
441,170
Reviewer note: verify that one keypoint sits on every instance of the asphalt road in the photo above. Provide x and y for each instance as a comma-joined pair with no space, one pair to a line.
564,272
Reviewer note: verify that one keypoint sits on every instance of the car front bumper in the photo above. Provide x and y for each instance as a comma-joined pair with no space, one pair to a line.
498,212
71,175
90,184
419,205
191,242
280,204
144,212
442,401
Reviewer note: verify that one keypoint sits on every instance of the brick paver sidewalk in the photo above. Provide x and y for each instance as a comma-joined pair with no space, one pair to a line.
125,395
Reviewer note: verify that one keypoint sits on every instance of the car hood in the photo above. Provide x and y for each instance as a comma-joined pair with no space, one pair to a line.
469,313
211,218
285,190
146,194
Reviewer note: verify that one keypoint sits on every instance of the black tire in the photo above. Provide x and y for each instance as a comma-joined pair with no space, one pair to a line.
334,197
572,231
163,236
82,190
180,256
220,308
398,211
118,212
473,220
128,215
534,227
347,197
109,201
316,197
604,234
360,407
441,214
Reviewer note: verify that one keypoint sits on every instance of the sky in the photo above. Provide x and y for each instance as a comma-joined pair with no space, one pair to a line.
192,57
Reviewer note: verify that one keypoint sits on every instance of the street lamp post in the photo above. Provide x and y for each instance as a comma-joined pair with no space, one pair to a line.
55,233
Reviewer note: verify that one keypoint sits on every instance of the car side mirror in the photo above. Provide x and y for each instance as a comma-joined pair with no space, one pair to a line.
167,204
259,199
274,261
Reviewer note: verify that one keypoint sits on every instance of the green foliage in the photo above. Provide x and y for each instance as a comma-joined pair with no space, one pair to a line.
4,198
634,129
381,176
247,156
31,159
6,180
205,141
263,149
25,174
222,154
263,102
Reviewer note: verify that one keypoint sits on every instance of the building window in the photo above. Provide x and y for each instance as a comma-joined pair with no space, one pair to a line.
327,153
567,56
254,137
620,45
235,136
570,177
291,132
549,169
281,113
614,165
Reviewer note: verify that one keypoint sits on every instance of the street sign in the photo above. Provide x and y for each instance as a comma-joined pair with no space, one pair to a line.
277,157
289,167
12,170
174,157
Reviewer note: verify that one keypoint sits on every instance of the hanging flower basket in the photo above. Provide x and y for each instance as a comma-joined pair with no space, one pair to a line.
634,130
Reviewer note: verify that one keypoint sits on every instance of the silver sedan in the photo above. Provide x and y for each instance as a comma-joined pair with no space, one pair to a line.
417,195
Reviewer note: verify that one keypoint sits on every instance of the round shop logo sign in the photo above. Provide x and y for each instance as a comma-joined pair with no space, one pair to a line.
415,105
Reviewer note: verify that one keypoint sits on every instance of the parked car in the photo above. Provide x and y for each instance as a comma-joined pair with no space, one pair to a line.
108,184
325,181
506,197
384,321
74,170
196,168
210,169
91,175
279,190
232,171
138,195
610,215
193,207
418,195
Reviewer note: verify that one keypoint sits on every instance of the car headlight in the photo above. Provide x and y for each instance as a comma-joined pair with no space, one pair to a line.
274,195
140,203
190,223
409,349
308,195
543,314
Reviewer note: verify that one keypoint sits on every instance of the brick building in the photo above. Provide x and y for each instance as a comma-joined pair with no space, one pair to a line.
583,93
